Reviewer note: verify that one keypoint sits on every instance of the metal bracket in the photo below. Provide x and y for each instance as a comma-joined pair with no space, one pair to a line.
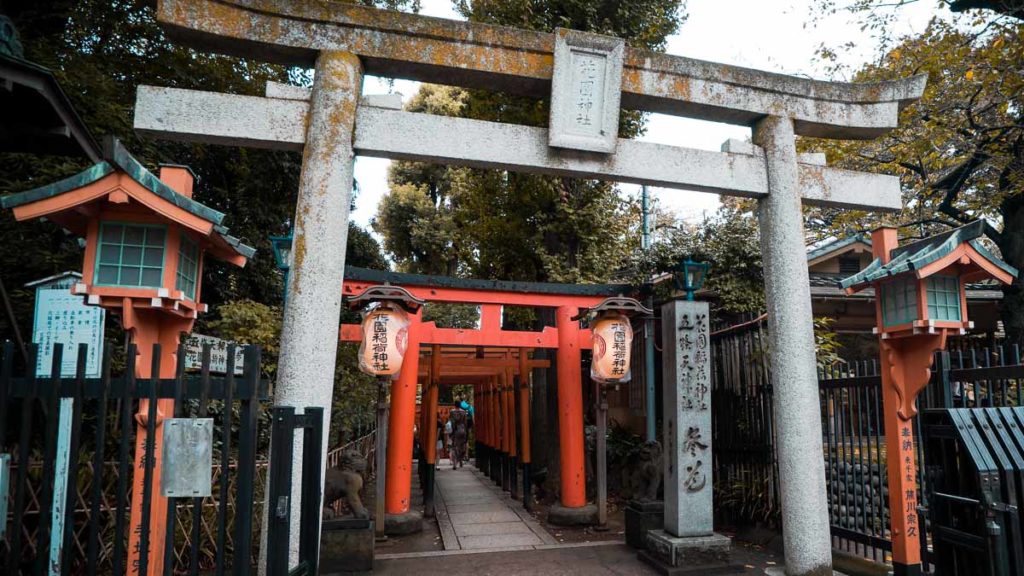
629,306
387,293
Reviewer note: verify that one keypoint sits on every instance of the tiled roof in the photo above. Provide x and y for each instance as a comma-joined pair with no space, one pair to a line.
119,158
837,245
916,255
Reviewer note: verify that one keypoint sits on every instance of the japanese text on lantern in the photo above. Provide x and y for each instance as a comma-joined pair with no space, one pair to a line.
618,349
379,342
588,72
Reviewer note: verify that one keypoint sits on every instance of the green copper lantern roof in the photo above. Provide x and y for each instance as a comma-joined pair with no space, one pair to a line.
917,255
118,158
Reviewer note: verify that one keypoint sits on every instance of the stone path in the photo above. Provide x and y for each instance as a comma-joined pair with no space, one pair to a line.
474,514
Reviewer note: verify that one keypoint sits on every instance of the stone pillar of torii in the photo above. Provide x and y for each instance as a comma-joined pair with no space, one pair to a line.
588,78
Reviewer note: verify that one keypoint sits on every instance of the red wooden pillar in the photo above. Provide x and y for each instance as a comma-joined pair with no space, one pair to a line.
524,407
146,329
510,412
398,478
430,406
570,408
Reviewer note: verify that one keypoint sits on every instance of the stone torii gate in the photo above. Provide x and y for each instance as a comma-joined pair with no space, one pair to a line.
588,77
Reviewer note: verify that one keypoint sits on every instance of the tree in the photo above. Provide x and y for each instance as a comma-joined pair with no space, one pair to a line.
496,224
100,51
959,151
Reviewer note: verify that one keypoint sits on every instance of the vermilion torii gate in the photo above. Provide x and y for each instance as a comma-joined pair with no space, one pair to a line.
493,377
587,77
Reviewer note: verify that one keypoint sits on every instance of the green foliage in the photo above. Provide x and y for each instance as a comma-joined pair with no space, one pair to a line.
826,342
728,241
249,322
959,151
451,315
494,224
100,51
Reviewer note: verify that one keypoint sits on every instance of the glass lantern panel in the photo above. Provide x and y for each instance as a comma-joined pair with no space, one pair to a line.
943,298
188,266
112,233
107,275
151,276
899,302
110,254
129,276
130,255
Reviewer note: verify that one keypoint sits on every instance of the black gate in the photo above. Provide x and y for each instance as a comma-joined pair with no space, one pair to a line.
211,534
286,423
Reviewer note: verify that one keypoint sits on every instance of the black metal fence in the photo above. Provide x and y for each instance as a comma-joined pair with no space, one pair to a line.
853,447
216,533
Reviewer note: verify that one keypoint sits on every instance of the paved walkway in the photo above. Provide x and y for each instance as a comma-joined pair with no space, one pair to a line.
474,514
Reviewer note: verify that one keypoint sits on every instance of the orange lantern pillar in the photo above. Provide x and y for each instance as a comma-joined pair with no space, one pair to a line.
920,300
146,240
390,348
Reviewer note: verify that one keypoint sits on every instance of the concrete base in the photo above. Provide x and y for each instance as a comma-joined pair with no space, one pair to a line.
583,516
780,571
673,556
641,518
402,524
346,546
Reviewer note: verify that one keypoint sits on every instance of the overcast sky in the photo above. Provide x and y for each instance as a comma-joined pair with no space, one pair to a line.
767,34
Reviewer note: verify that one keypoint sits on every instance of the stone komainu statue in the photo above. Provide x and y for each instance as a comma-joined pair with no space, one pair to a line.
642,475
346,481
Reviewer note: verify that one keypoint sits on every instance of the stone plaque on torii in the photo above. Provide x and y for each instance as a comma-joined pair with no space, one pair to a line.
331,124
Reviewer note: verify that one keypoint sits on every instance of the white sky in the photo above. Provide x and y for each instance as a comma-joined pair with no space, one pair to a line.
765,34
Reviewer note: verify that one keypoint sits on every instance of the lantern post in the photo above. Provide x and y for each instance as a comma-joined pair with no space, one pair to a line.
385,330
612,345
146,242
920,301
689,276
282,246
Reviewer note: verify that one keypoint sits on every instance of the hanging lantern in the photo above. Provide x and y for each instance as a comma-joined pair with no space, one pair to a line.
385,336
613,342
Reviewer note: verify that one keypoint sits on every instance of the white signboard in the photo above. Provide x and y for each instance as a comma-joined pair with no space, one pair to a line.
218,354
63,318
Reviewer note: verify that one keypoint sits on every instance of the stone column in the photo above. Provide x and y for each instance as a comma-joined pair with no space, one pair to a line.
797,413
309,337
688,539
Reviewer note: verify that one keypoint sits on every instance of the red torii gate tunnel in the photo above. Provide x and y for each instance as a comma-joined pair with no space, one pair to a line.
497,363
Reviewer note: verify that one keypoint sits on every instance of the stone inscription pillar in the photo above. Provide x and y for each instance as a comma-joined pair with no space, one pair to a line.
687,542
309,337
687,418
797,413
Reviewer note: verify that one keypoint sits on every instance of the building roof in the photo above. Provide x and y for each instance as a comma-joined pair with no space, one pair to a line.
837,245
827,285
35,114
916,255
118,159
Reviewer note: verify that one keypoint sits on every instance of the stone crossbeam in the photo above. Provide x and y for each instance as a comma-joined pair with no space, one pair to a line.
384,132
470,54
